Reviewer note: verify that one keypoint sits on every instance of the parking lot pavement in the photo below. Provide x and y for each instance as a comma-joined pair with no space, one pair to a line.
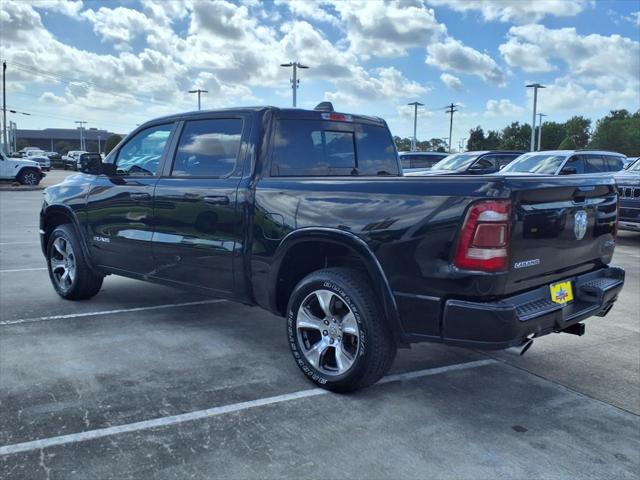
163,387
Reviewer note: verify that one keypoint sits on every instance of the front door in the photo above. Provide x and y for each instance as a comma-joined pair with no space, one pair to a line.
198,227
120,207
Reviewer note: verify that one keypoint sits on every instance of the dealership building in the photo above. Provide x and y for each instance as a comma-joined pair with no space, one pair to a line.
48,138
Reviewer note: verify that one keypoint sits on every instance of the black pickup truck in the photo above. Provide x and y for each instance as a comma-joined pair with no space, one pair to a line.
306,214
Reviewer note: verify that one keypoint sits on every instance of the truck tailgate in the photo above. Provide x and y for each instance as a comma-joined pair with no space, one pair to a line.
562,226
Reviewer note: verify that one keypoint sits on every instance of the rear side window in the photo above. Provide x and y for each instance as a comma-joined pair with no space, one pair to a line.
615,163
316,148
208,148
505,159
595,164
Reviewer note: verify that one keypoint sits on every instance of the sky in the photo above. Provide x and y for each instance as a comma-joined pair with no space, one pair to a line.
116,64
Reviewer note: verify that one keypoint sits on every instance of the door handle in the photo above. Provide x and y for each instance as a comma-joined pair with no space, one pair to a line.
217,200
139,196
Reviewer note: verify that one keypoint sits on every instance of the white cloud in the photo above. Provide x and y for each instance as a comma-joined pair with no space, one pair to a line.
376,28
309,10
52,99
118,25
453,55
70,8
529,57
451,81
634,18
503,108
517,11
611,62
566,95
387,84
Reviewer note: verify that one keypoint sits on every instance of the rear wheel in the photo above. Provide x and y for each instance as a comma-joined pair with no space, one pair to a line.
69,271
29,176
337,332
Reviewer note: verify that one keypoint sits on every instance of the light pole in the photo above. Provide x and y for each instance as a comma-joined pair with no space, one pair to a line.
81,123
450,110
199,92
535,87
294,81
540,115
414,140
4,108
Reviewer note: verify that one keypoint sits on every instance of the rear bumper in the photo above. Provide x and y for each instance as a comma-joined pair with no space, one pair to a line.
508,322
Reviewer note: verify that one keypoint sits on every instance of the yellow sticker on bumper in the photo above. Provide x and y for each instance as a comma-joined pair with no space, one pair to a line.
561,292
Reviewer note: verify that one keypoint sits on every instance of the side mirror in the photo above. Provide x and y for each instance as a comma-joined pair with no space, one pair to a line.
109,169
569,171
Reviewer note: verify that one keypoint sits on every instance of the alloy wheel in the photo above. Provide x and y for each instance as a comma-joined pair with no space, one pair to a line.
328,332
63,263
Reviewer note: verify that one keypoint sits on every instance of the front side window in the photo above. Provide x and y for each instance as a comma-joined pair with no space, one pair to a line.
141,155
208,148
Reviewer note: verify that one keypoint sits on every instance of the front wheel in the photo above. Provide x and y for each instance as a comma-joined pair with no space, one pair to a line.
336,330
29,177
71,275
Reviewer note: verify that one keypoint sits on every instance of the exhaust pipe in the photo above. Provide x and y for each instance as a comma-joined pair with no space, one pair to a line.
521,349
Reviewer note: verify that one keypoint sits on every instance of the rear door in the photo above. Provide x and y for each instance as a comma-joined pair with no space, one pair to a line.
562,226
198,226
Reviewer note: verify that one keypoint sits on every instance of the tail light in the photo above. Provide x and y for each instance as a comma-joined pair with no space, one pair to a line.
483,244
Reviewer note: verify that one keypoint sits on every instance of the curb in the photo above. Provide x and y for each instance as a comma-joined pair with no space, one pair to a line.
20,188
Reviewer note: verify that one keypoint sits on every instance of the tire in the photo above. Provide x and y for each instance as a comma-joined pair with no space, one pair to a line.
29,176
346,344
70,274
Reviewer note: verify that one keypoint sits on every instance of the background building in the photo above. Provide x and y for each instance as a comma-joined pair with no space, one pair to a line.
62,139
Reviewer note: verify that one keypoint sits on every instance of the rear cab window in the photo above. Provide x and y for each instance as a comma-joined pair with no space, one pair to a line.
315,148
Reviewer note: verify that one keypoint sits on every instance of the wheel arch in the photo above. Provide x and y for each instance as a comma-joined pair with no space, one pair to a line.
53,216
326,243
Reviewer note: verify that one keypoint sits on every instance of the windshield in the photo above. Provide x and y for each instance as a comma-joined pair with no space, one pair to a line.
635,167
535,163
457,161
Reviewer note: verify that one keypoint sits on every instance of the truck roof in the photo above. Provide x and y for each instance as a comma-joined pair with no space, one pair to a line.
299,113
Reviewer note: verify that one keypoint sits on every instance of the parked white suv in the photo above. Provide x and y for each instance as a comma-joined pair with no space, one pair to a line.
27,172
41,158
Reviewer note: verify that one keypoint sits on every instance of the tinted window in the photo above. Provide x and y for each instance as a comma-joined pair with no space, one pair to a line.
405,161
574,162
505,159
376,152
141,155
488,161
313,148
208,148
615,163
595,164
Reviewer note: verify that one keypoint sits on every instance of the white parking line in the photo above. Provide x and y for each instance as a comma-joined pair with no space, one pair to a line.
13,270
107,312
214,412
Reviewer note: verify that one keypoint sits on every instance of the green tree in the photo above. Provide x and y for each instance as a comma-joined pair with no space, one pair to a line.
111,142
62,147
567,144
619,131
578,129
516,137
91,146
438,145
492,142
476,139
553,133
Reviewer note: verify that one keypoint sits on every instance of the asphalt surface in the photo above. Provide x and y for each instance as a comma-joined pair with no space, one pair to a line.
177,389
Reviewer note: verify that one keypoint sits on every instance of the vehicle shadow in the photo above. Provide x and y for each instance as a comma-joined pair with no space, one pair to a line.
628,239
